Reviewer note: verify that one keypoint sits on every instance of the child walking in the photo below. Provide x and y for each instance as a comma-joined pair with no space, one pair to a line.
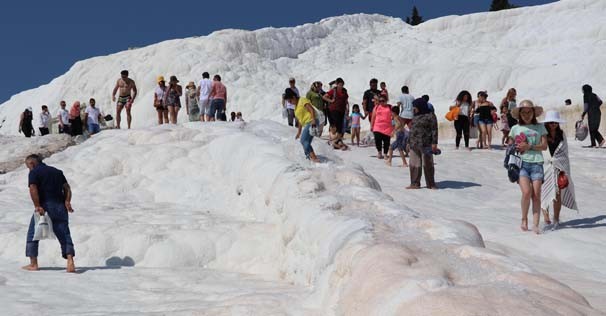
402,133
356,117
505,128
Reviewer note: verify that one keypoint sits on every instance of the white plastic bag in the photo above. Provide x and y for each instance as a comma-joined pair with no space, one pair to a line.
44,227
284,113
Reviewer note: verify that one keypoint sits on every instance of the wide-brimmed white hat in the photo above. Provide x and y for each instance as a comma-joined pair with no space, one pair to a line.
553,116
538,110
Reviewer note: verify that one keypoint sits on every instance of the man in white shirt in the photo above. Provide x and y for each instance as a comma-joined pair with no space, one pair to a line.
290,108
44,121
91,117
203,92
63,118
405,104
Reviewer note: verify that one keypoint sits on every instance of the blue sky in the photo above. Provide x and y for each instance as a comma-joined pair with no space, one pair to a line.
43,39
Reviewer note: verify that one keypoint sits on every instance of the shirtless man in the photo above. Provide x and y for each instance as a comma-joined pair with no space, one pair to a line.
125,100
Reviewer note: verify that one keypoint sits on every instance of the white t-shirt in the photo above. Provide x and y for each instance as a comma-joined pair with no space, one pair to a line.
64,116
159,93
205,86
406,101
93,115
44,119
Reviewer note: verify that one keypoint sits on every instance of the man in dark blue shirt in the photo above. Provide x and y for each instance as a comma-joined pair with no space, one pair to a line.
50,194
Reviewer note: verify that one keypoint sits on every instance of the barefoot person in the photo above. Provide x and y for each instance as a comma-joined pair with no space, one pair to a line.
203,92
423,143
25,123
161,108
63,118
125,85
381,127
401,134
368,100
591,108
553,192
530,140
485,108
462,121
306,116
50,194
172,98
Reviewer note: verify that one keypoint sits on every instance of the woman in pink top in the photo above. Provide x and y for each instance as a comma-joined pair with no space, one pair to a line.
218,95
381,126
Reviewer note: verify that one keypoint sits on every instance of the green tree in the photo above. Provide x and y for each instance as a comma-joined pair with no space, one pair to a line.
415,19
498,5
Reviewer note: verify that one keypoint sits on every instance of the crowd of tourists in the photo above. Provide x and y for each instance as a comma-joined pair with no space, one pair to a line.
206,102
545,184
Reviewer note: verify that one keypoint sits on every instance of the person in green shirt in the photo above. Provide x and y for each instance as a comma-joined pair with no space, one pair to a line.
530,139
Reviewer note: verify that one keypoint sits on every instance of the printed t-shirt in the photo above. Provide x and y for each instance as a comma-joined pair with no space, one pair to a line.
533,134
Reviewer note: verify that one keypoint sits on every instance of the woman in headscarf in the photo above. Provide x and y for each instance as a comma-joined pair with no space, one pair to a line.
591,108
75,120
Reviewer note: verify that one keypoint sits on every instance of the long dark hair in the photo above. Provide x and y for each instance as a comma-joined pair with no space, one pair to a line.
464,93
559,134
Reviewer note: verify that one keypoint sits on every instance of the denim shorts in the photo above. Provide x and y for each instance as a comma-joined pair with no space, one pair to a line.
532,170
485,121
476,120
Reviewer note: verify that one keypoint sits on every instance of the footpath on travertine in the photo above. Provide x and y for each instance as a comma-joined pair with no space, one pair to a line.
474,187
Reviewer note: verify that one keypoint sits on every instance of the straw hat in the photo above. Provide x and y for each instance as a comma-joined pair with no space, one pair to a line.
552,116
526,104
160,79
190,84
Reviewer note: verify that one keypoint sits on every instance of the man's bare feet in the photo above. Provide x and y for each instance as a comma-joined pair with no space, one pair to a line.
71,267
524,225
433,187
388,162
30,267
536,230
380,156
413,187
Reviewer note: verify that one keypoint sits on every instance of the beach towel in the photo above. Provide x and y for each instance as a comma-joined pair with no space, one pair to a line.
558,163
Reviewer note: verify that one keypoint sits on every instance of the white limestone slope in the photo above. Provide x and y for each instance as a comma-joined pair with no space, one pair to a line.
230,219
547,52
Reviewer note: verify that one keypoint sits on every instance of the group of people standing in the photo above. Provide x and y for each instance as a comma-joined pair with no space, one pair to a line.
70,122
205,103
412,122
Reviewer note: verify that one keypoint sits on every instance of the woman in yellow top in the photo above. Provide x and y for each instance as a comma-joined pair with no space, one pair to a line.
305,114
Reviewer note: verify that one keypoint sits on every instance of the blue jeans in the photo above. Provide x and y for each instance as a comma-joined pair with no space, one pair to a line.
306,139
216,107
532,170
93,128
58,214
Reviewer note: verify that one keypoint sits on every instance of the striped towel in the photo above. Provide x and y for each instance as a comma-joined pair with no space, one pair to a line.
559,162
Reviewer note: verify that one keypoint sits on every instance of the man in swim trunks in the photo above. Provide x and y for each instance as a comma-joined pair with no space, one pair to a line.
125,100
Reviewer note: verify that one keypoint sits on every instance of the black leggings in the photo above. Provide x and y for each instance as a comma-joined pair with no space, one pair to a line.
462,127
382,142
336,120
